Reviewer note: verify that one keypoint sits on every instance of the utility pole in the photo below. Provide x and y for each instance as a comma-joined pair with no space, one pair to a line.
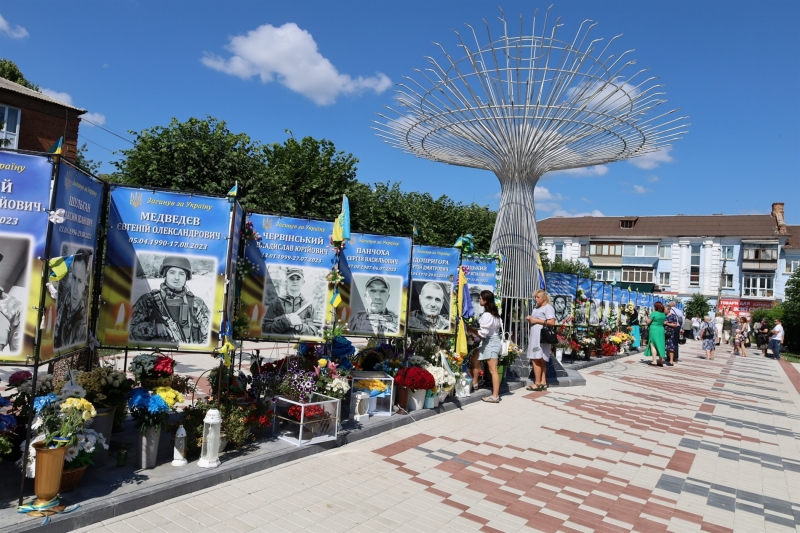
721,281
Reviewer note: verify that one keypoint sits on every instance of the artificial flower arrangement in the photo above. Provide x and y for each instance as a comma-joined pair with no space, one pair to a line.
232,383
249,233
390,366
312,412
331,381
152,366
245,268
80,454
370,385
8,422
150,410
575,346
334,277
608,349
104,386
442,379
239,420
588,342
415,378
580,296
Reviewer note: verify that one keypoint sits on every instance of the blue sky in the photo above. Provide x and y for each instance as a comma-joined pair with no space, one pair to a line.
731,66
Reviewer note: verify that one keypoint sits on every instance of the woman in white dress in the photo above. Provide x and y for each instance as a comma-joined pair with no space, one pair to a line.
539,353
718,322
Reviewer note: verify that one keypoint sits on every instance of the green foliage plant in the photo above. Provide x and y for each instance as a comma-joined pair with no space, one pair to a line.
697,306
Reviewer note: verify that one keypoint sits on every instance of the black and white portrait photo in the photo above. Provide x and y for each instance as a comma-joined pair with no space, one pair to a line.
563,307
430,306
14,291
72,302
595,307
173,297
475,295
581,313
375,304
294,298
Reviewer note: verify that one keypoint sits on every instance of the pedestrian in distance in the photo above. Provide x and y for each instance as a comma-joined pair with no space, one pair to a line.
538,352
672,328
726,329
744,336
656,347
489,348
776,341
696,323
762,336
736,325
719,323
708,334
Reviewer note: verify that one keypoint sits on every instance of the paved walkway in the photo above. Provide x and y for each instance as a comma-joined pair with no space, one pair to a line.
705,446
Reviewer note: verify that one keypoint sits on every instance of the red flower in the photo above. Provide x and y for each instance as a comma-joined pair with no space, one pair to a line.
311,411
164,365
415,378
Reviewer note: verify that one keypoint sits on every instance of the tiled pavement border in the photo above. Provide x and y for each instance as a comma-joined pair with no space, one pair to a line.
103,508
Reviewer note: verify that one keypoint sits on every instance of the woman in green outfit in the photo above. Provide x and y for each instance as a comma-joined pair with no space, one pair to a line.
655,344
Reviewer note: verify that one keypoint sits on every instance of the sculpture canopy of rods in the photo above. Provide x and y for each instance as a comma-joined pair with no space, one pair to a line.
524,105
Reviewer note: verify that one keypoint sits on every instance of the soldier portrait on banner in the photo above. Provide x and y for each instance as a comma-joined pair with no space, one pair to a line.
430,306
14,255
294,301
376,304
72,303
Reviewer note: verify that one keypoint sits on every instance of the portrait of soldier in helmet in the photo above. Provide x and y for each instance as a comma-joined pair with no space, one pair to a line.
430,306
72,305
171,313
290,314
377,312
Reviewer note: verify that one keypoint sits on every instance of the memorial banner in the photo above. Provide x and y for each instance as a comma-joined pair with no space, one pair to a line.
562,289
285,295
164,275
607,296
24,205
376,269
231,295
67,316
481,274
582,308
616,299
596,303
433,278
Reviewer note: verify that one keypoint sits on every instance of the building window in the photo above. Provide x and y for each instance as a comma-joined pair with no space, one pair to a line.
637,275
760,252
558,255
9,116
584,250
626,224
639,250
605,249
792,266
663,279
727,281
727,253
758,285
606,275
694,274
665,251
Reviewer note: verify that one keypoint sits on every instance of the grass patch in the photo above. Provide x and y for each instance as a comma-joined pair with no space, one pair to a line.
792,358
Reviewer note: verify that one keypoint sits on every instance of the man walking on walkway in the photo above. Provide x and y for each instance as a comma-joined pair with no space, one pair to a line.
776,340
673,310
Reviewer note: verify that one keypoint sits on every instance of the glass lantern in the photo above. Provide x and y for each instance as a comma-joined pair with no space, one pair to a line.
359,406
209,455
179,451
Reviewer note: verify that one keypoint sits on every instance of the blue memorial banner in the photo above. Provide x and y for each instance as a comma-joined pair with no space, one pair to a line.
285,296
481,273
24,206
376,269
616,294
562,289
625,297
596,303
166,264
582,302
68,316
434,273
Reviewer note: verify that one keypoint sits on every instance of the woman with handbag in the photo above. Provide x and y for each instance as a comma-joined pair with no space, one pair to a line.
542,319
656,341
708,333
491,343
743,337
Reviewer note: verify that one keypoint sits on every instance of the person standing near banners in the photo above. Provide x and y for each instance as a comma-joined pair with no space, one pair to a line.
71,312
376,319
10,316
171,314
292,314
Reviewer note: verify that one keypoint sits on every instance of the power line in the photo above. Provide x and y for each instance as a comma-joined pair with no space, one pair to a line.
109,131
85,138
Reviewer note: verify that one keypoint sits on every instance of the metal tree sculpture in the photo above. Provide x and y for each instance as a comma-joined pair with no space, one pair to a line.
521,106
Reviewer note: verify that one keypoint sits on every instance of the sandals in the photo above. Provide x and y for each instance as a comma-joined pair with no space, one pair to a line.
491,399
536,388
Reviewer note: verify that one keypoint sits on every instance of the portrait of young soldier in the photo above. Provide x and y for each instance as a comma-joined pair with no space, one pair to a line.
72,311
10,320
430,308
376,318
290,314
171,314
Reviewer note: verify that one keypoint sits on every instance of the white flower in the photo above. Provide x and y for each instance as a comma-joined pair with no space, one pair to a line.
37,422
30,469
73,391
71,453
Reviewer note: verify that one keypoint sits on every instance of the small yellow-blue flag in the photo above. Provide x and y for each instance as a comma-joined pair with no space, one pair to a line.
336,299
461,333
56,148
415,230
234,190
341,227
59,267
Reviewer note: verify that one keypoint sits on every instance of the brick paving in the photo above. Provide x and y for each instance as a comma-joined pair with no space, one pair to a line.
708,446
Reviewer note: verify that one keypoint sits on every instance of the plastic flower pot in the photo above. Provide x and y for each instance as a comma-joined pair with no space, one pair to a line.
147,448
49,466
416,400
559,354
430,401
103,423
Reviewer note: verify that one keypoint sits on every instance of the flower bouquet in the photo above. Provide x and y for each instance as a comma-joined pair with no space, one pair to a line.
608,349
153,370
150,411
8,423
330,380
78,458
415,378
104,386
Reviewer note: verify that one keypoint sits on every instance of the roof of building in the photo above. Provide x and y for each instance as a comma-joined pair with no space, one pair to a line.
17,88
669,226
794,240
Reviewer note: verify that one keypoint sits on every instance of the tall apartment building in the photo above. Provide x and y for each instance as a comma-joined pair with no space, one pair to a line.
745,259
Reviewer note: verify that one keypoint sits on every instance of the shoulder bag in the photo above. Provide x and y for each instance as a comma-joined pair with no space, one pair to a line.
505,341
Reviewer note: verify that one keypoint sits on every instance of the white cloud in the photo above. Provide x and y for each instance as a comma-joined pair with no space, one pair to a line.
597,170
61,97
653,179
562,213
544,194
290,54
15,32
653,159
639,189
98,119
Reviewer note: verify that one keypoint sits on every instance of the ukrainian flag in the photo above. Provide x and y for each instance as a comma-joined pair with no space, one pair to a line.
56,148
59,267
541,271
416,232
234,190
341,228
461,334
336,299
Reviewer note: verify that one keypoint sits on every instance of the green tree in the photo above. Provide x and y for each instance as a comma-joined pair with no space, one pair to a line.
791,314
697,306
84,162
770,315
572,266
10,71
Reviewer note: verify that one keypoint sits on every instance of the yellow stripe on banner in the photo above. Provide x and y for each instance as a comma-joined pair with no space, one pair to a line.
461,334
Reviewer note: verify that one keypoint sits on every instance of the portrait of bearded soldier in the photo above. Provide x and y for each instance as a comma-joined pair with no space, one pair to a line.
429,316
71,312
376,319
171,314
10,319
291,314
